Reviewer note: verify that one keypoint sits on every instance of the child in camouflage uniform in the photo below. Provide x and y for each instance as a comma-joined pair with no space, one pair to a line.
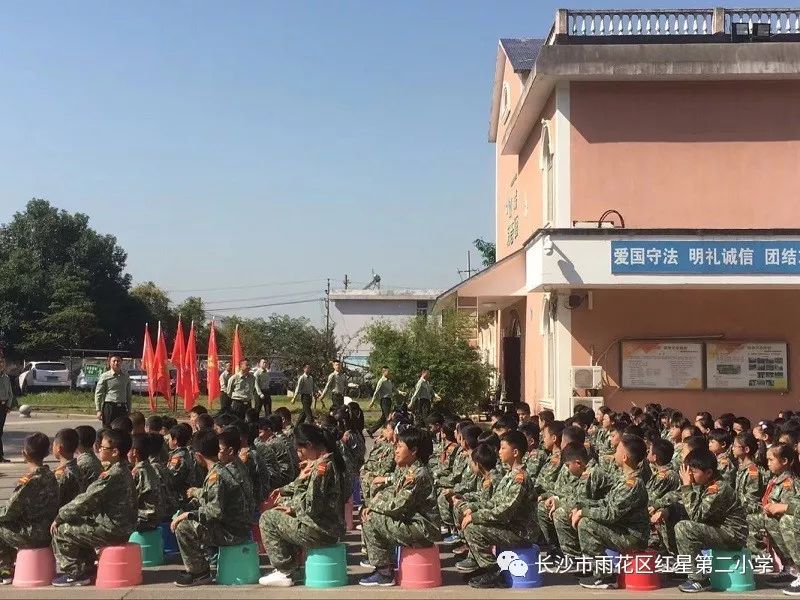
25,519
461,481
403,512
313,515
664,482
535,458
103,515
150,502
751,481
716,519
720,442
68,476
88,463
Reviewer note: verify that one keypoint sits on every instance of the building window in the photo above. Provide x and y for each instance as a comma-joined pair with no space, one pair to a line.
548,183
422,308
505,103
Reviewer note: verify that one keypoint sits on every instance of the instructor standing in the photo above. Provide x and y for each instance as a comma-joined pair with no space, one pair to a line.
262,398
305,389
112,396
6,401
420,401
384,391
336,385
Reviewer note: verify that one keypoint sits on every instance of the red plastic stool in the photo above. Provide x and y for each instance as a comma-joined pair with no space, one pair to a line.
35,568
119,566
348,515
419,568
255,533
638,572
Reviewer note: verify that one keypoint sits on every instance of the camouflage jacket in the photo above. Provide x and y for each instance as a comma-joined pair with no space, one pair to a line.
169,494
89,466
716,504
380,461
70,482
408,497
320,505
242,477
183,470
751,482
223,505
534,461
590,489
150,502
625,504
510,505
546,481
33,505
727,466
663,482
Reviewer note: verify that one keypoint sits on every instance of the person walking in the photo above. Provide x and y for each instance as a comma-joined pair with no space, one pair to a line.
305,390
224,399
242,389
6,402
113,396
384,390
336,386
420,401
262,398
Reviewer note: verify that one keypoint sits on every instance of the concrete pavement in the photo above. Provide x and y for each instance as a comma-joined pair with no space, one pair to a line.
158,581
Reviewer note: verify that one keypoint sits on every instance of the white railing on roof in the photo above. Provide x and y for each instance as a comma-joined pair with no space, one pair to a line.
688,21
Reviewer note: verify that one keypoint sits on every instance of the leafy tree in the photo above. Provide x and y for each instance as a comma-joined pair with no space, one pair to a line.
156,302
458,374
487,250
192,309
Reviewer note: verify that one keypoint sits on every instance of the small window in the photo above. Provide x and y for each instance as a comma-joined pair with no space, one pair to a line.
548,182
422,308
505,103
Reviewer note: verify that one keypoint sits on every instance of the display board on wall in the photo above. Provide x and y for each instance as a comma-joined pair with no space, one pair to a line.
747,366
667,365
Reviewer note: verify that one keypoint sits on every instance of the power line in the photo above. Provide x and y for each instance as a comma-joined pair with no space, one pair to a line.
243,287
289,295
226,309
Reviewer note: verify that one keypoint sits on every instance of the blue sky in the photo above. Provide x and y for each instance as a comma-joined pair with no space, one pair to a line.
262,143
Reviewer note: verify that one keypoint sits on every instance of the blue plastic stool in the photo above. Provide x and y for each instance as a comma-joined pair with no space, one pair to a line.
532,578
169,539
152,546
357,491
238,565
326,567
731,570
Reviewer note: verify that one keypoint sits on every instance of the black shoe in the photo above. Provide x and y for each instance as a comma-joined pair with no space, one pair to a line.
187,579
493,579
599,582
4,460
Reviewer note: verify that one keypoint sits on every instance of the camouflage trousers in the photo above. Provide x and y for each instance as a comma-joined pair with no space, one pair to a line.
481,538
692,537
382,535
445,511
757,527
195,537
284,536
76,546
595,538
13,537
567,535
783,536
546,525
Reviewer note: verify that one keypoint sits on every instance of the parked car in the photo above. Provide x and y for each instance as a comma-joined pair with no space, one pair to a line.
138,381
44,375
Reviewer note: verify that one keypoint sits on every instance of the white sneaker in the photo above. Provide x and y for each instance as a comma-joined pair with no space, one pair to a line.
358,527
277,579
793,589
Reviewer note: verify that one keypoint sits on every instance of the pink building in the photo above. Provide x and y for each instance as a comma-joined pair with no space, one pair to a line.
647,223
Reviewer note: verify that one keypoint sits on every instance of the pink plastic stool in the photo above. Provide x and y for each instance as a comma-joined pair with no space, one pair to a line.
348,515
119,566
639,573
419,568
35,568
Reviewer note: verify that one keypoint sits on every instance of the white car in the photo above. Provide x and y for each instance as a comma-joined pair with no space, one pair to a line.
44,374
138,381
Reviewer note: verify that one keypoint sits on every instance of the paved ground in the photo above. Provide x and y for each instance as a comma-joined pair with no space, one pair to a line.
158,581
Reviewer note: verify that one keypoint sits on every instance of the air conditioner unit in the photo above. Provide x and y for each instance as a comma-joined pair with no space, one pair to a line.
593,402
587,378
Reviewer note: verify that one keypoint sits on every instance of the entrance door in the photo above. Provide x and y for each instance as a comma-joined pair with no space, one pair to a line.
512,368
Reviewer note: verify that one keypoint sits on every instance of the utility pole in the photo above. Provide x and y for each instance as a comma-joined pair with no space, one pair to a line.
469,270
346,281
328,312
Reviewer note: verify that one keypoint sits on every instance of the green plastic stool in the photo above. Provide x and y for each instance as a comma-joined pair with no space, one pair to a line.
152,545
732,571
326,567
238,565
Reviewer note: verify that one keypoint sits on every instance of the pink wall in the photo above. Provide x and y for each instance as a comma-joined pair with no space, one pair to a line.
739,314
694,154
506,326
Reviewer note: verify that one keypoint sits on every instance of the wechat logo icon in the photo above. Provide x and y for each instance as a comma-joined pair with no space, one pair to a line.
509,561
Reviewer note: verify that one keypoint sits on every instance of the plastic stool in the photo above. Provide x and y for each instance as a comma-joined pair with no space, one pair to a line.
238,565
255,535
152,544
532,578
169,539
357,490
348,515
326,567
731,571
638,572
419,568
119,566
35,568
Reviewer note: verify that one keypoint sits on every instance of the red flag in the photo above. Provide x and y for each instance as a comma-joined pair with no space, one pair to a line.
160,369
177,360
191,376
212,367
237,350
147,363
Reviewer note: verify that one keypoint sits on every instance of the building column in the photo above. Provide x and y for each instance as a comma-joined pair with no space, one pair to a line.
563,347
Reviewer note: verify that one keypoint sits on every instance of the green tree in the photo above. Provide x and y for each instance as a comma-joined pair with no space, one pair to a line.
458,374
156,302
193,309
487,250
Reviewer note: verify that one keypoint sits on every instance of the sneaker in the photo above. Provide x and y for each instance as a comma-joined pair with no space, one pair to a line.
599,582
693,587
64,580
358,527
793,589
779,580
187,579
451,540
444,530
365,563
6,577
461,550
467,565
493,579
277,579
377,578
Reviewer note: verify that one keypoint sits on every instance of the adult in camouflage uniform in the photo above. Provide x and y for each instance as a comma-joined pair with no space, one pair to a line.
403,512
222,518
103,515
313,515
716,519
26,518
